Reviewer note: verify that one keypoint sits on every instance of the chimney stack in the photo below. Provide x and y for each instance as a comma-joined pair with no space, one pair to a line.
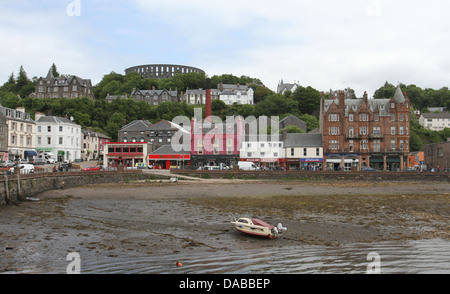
341,99
365,97
208,100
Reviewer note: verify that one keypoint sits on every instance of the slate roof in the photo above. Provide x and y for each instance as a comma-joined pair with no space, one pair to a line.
375,105
169,150
55,119
444,115
303,140
136,126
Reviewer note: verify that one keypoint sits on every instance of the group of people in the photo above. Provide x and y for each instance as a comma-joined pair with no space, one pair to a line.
62,167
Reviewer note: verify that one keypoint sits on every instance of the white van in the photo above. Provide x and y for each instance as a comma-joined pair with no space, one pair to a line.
24,169
43,159
247,165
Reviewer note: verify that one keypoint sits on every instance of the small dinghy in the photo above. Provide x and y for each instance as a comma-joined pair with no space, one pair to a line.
254,226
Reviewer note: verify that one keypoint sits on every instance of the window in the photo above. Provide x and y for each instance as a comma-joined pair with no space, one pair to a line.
376,131
305,152
402,145
392,117
400,116
350,117
393,144
49,129
249,154
60,128
292,151
377,145
351,146
334,145
60,140
333,117
351,131
39,129
376,117
39,140
333,130
392,130
317,151
363,130
364,145
49,140
363,117
392,105
400,131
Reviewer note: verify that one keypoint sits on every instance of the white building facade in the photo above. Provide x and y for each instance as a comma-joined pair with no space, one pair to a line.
198,97
304,151
435,121
59,137
266,151
21,130
239,94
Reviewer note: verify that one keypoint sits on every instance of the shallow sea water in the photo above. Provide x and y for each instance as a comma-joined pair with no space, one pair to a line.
409,257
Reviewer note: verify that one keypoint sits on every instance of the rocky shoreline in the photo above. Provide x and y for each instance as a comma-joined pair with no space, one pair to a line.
144,218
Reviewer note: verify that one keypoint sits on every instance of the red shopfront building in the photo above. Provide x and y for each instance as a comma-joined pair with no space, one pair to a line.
166,157
126,153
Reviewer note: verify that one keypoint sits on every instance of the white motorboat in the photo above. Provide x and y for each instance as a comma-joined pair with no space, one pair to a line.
254,226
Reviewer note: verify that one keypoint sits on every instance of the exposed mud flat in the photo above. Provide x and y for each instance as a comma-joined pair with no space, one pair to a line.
141,219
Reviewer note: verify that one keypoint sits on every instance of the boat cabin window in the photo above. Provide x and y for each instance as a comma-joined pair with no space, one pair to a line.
243,221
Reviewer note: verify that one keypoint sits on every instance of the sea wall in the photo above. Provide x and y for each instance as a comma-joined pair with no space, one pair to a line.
317,175
15,188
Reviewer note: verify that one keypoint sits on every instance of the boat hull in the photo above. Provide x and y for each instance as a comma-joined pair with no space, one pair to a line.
254,230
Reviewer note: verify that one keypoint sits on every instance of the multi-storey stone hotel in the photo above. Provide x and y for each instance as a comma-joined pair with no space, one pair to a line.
65,86
363,133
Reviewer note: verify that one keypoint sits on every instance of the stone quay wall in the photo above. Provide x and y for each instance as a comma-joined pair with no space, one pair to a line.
15,188
316,175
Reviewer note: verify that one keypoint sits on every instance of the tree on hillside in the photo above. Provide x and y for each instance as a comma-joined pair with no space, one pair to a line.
308,100
55,71
387,91
276,105
22,78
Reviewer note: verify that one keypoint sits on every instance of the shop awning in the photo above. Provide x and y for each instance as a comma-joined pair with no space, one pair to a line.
30,153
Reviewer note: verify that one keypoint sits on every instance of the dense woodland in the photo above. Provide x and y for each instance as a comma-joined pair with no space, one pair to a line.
108,118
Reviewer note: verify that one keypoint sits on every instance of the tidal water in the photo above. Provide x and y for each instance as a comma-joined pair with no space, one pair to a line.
409,257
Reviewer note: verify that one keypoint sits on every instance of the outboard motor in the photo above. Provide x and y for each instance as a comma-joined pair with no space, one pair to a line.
281,228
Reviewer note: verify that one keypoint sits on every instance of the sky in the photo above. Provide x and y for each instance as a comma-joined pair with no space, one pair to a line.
325,44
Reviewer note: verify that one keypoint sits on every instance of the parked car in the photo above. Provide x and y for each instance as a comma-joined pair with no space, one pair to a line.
7,163
24,169
366,168
91,168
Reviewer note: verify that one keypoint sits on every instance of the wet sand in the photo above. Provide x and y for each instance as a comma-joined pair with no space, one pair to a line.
141,219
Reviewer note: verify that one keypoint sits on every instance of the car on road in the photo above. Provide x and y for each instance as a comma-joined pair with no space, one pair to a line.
7,163
24,168
91,168
365,168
